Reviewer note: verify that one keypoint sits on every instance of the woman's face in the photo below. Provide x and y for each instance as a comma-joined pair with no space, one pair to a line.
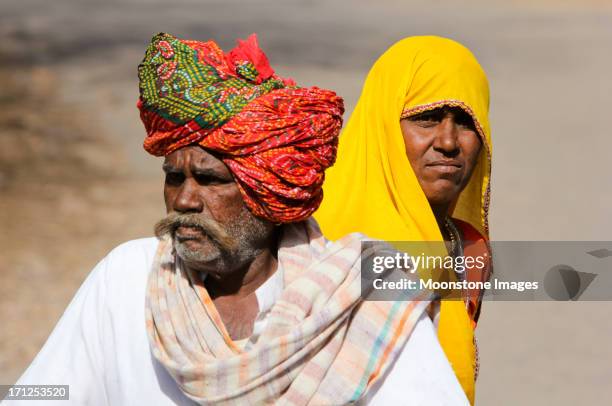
442,146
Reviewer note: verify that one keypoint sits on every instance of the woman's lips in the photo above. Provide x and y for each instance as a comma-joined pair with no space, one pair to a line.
445,166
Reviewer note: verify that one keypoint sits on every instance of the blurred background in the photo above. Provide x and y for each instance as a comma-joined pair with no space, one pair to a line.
75,182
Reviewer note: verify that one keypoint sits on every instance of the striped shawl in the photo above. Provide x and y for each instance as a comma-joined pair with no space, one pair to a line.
322,344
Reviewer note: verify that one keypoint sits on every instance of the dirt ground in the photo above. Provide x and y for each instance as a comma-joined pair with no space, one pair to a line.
75,182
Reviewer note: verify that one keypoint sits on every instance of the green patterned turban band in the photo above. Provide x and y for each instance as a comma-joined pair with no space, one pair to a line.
184,80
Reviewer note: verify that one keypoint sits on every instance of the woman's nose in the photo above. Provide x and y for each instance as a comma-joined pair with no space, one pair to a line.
446,136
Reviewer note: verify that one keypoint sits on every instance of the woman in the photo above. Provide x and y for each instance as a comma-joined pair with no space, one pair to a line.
416,152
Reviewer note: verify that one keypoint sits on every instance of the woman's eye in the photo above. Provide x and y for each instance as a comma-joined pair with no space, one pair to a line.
467,125
465,121
426,122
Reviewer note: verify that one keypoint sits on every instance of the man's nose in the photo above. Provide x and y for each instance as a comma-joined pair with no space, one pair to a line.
187,199
446,136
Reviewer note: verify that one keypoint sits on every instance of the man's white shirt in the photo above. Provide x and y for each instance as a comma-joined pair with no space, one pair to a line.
100,347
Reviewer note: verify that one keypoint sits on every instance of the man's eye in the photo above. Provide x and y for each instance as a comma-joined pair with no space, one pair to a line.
174,179
209,180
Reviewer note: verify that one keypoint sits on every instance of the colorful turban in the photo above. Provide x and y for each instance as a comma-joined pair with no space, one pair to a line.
275,137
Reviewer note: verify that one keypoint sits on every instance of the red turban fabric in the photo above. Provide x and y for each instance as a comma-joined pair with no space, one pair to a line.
276,138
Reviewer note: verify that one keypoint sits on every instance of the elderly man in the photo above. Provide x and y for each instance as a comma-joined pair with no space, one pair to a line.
240,299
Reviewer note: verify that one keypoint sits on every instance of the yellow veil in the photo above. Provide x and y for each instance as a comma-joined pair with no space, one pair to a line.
372,188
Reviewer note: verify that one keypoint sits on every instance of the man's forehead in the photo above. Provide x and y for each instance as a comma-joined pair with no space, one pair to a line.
196,157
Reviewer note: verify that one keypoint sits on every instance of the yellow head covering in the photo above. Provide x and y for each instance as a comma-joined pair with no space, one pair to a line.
372,188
